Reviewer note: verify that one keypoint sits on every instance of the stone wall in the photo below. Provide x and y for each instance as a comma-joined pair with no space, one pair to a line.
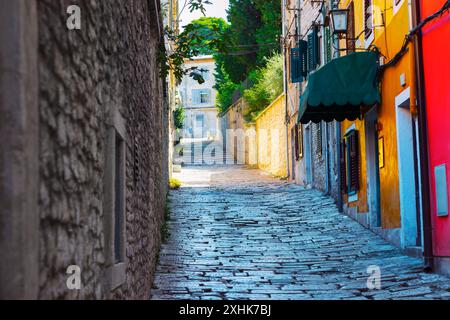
238,135
85,77
318,167
271,137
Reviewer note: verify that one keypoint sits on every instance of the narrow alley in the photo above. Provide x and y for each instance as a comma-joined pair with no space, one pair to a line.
237,233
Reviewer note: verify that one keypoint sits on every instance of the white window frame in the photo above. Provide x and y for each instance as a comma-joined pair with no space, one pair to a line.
368,41
396,7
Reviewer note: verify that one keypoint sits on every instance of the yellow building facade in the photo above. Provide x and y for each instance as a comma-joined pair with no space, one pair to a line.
385,135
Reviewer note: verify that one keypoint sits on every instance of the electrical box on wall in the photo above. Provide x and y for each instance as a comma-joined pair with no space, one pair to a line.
440,178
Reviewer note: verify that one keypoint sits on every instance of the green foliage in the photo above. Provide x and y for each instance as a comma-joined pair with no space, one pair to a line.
202,36
255,26
240,48
245,20
198,5
224,86
270,29
206,36
178,117
268,86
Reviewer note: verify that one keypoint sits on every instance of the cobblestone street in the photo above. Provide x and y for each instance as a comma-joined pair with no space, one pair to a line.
237,233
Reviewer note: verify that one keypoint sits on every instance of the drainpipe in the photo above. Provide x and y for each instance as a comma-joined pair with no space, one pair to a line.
285,87
423,138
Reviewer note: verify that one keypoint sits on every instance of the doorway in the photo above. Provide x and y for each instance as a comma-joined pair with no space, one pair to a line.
308,155
294,137
373,167
406,170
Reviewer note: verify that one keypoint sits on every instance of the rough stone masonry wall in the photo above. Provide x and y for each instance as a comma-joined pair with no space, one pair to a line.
271,137
83,74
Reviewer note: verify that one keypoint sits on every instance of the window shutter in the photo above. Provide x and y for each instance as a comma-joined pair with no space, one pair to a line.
298,62
328,44
319,139
313,50
300,141
195,96
351,29
296,66
343,170
354,161
303,45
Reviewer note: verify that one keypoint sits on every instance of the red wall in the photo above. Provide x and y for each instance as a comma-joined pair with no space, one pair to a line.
436,52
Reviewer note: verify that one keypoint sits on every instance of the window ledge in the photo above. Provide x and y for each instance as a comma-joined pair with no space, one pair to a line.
116,275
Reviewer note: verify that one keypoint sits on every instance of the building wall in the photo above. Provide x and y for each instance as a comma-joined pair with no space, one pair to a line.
271,138
87,80
389,42
436,69
360,205
192,107
171,21
210,127
323,159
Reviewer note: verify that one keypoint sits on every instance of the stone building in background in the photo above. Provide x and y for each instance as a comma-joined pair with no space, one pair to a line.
313,147
199,100
83,159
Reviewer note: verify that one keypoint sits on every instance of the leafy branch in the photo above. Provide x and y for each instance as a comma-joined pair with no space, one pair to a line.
199,37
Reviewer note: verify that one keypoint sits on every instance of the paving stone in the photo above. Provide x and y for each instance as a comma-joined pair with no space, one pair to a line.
244,235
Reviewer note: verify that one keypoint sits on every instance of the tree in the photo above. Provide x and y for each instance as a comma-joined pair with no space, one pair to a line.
241,48
245,20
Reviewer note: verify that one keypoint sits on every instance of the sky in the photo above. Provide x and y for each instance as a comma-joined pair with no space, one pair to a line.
216,9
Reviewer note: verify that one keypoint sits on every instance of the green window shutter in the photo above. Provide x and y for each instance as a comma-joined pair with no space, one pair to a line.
303,45
353,167
298,63
313,50
328,44
343,167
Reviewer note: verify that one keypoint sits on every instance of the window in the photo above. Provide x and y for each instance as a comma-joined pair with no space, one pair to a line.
298,62
319,139
397,5
199,120
201,96
352,160
313,51
119,208
368,22
114,201
298,143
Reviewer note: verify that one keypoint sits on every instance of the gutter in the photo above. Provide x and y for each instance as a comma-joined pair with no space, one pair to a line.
423,138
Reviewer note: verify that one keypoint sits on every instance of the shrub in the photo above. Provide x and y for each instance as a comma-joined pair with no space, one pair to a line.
268,86
178,117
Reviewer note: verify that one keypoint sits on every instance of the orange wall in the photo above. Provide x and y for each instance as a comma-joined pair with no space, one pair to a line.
389,41
361,204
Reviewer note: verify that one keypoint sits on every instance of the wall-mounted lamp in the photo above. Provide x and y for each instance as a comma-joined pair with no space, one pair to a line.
339,19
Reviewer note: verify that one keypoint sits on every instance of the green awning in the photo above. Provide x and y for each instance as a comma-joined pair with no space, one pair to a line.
341,89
